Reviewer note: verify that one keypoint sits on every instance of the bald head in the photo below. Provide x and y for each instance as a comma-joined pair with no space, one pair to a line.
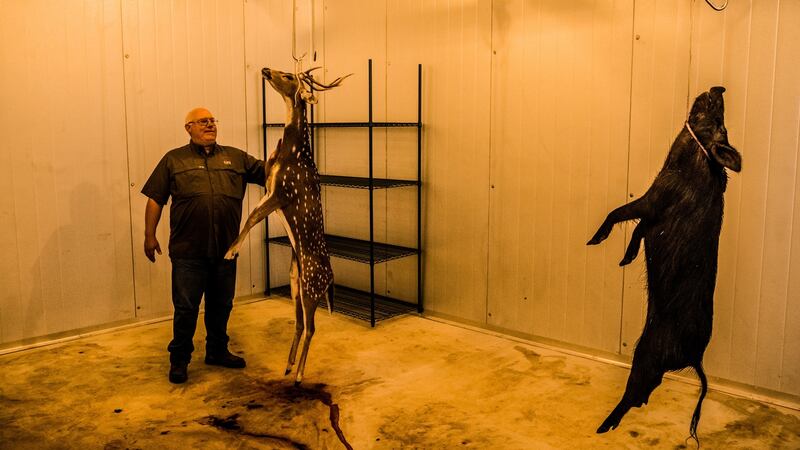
197,113
201,126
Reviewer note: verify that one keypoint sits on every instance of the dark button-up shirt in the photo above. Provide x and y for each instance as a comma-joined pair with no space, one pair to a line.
207,193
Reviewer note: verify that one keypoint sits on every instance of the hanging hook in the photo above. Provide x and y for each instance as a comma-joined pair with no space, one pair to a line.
298,62
715,7
294,40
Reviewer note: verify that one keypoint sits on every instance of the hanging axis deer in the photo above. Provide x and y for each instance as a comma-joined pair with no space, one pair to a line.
293,191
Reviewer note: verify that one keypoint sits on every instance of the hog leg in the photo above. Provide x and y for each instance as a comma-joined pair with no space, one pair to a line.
294,284
265,207
633,245
646,375
633,210
309,308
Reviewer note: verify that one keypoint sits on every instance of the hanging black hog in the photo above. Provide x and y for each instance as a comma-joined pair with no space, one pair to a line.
680,218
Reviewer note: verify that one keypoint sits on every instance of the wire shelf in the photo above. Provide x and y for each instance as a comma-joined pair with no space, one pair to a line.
357,249
352,124
363,183
355,303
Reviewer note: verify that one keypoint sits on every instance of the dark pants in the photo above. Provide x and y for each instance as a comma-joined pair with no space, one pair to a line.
191,278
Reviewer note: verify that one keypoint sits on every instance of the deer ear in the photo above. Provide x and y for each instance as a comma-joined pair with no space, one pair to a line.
727,156
308,97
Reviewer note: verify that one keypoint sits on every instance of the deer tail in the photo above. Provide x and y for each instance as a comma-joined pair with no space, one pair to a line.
330,299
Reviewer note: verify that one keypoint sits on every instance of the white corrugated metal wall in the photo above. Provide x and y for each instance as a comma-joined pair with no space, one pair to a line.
752,48
65,235
180,55
540,117
560,84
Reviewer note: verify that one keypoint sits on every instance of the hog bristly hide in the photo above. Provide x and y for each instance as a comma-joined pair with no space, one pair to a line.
680,218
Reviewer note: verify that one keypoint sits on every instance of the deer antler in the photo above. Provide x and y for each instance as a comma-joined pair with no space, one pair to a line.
316,85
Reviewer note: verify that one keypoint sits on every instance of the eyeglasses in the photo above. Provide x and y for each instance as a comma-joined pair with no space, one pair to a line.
205,122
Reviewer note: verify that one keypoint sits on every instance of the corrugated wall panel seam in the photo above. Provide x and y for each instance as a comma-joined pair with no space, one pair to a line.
792,229
247,118
785,385
585,186
628,173
743,286
739,206
767,156
128,151
724,43
519,175
492,63
676,51
159,72
39,216
717,361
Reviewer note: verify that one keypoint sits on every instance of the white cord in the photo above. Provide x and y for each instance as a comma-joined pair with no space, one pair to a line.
697,140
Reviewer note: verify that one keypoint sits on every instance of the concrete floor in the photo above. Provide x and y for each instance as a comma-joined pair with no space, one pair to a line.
409,383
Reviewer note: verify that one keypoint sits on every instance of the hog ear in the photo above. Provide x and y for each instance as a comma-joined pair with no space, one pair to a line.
717,90
727,156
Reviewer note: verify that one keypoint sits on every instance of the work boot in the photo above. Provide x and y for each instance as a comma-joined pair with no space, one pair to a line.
178,372
225,359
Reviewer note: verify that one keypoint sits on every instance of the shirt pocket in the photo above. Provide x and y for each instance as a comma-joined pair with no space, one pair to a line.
191,182
229,182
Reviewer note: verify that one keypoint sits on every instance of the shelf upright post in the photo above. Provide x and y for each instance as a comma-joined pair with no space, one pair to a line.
311,131
419,188
268,288
371,214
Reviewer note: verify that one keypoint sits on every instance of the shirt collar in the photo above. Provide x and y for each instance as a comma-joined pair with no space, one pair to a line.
200,150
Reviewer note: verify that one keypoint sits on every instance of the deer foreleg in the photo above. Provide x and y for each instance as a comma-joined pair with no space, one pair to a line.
294,284
267,205
309,308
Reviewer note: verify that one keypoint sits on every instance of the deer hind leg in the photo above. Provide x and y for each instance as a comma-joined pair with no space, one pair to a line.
294,284
309,308
265,207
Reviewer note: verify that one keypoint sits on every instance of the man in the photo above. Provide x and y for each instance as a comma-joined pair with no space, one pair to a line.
207,183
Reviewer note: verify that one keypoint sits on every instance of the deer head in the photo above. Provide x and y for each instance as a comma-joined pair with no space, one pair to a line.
298,87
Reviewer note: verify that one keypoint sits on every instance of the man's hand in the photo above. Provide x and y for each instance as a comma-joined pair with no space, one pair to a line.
152,214
151,246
